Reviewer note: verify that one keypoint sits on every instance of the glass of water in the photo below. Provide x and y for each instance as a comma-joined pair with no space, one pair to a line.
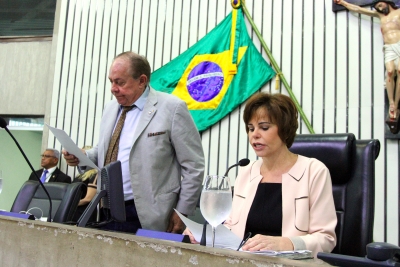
216,201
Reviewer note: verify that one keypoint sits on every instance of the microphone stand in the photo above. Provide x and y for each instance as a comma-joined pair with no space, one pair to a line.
203,240
33,170
242,162
234,165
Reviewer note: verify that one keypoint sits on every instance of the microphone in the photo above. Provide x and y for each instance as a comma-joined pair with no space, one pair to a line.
3,124
242,162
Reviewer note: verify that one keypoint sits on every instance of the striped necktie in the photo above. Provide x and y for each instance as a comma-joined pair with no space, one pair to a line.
112,152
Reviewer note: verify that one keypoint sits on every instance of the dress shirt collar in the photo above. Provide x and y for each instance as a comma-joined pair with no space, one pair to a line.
141,100
51,170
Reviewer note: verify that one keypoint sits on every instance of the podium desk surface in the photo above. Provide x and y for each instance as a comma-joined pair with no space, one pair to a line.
37,243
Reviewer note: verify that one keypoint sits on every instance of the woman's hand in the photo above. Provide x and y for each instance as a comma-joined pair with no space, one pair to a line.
191,237
264,242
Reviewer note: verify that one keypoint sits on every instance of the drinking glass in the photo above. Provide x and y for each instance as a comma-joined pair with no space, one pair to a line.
216,201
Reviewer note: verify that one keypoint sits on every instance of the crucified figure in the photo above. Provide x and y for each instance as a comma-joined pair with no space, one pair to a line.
389,15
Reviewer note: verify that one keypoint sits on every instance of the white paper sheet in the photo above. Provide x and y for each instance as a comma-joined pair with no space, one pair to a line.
224,238
71,147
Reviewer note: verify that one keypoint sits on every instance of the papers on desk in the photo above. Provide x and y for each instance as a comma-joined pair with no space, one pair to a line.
290,254
71,147
225,238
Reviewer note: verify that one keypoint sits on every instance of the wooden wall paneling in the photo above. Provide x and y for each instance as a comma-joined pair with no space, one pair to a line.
167,37
318,89
90,71
365,79
137,26
392,200
341,99
353,74
329,77
159,41
295,71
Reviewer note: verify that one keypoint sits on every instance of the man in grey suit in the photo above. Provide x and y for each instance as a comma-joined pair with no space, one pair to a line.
159,148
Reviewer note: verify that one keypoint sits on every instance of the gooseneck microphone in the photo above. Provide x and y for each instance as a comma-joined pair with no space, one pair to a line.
3,124
242,162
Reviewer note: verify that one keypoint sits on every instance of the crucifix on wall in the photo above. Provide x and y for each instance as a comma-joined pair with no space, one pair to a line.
389,14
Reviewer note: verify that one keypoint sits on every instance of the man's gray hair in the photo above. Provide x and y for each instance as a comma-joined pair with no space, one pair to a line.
55,152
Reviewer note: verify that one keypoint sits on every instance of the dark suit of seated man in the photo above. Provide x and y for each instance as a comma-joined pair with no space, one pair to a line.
50,172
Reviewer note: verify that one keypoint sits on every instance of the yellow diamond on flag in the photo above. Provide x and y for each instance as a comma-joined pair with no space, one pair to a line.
216,74
206,79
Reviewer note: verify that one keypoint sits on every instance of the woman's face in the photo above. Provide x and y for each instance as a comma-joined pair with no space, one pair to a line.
263,135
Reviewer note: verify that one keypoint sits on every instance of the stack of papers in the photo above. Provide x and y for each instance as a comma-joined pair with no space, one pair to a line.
224,238
290,254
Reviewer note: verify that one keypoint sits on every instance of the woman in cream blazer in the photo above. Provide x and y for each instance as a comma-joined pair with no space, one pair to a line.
301,186
308,212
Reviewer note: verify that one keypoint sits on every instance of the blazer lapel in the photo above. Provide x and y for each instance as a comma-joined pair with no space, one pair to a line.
148,113
255,170
53,177
109,123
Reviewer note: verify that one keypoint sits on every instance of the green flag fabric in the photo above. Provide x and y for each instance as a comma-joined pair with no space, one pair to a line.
218,73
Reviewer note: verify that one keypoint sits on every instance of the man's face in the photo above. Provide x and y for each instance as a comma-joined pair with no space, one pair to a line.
382,7
124,87
48,160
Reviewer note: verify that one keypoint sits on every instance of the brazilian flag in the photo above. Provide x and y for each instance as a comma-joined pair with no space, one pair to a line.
216,74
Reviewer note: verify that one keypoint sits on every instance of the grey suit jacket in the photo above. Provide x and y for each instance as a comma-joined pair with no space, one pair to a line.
166,161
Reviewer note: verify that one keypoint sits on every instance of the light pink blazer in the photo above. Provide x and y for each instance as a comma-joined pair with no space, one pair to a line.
308,211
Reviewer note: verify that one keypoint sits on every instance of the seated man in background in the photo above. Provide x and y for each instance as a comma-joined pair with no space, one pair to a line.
50,172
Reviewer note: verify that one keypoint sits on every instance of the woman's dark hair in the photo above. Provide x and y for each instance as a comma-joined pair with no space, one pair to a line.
279,108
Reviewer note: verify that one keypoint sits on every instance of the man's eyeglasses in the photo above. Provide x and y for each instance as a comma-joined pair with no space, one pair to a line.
46,156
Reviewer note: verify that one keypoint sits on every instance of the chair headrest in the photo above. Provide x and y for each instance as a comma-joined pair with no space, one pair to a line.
334,150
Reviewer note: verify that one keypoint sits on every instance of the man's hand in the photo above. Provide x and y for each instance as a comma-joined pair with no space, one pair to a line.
175,224
70,159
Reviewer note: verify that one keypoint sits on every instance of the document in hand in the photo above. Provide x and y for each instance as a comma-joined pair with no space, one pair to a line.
71,147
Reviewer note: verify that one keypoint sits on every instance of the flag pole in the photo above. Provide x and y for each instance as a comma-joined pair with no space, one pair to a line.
277,69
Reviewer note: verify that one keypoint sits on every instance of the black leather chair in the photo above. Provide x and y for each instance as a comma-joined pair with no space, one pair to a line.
351,164
65,198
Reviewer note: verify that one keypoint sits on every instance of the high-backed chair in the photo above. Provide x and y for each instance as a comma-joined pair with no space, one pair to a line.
351,164
65,198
